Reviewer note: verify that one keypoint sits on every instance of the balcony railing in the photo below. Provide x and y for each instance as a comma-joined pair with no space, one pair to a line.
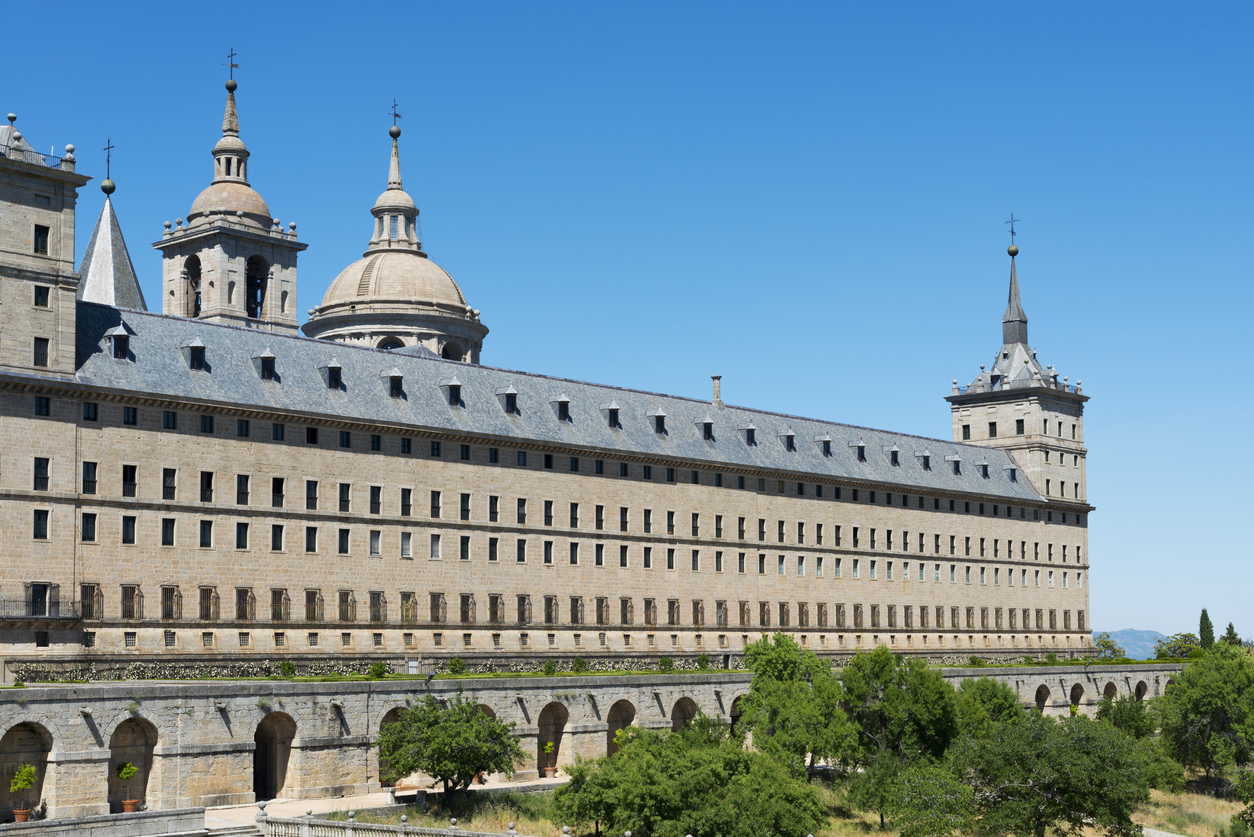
38,609
35,158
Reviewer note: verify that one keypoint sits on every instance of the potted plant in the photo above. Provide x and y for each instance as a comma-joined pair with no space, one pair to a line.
23,780
550,770
126,771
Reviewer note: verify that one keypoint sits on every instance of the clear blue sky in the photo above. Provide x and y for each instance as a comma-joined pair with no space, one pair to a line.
806,199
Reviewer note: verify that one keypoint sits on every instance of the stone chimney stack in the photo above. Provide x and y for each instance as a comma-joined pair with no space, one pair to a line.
718,397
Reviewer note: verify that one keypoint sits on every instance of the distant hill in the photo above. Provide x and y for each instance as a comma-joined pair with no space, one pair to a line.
1139,645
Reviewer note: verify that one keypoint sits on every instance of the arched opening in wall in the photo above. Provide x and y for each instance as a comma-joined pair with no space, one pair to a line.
1141,689
737,709
273,741
257,271
392,716
487,710
191,278
1042,697
391,343
1111,691
451,351
1077,695
283,303
682,713
132,742
621,716
552,724
25,743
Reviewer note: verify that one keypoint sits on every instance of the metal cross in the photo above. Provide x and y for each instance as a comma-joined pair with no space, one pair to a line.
1011,222
108,150
230,62
395,115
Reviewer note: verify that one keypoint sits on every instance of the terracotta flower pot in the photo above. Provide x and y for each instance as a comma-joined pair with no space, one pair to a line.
21,814
130,806
550,772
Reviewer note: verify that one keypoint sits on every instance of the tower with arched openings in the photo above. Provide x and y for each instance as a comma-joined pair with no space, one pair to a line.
231,262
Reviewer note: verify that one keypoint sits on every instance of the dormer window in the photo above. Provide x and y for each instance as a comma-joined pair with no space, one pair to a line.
659,423
927,463
395,386
983,466
196,360
267,369
956,463
825,444
333,377
1013,474
613,417
892,458
790,440
120,346
454,388
511,403
751,436
860,449
563,406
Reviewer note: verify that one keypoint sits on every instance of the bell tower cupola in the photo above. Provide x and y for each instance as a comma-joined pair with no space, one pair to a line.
231,262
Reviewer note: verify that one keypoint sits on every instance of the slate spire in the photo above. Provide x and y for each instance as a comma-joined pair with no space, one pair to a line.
107,275
1014,323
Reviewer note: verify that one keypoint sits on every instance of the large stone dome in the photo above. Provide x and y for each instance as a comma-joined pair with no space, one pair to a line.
229,197
402,276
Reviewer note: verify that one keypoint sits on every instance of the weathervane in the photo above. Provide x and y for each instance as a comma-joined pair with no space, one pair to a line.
395,115
108,150
230,64
1011,222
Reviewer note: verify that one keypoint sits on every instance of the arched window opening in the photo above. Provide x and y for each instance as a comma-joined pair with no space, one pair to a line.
451,351
191,275
682,713
132,742
1042,698
257,271
621,716
273,746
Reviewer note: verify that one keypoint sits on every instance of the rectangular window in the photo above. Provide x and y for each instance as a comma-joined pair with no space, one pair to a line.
622,555
241,490
464,508
492,549
311,494
41,474
406,545
376,499
41,240
277,432
574,515
522,511
242,427
464,551
374,542
130,415
167,531
311,435
376,441
494,455
435,547
345,497
407,446
206,486
89,528
128,529
206,424
406,501
206,534
343,541
43,406
169,420
91,411
40,357
521,551
276,492
276,537
435,504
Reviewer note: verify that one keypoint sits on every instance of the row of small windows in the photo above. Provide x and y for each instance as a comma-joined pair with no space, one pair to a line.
1019,429
573,610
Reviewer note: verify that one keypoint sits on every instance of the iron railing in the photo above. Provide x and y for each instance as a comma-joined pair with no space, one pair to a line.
37,609
34,157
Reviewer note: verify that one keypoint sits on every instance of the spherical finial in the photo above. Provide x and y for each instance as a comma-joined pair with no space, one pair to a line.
394,131
167,225
108,186
1012,250
69,149
231,85
12,118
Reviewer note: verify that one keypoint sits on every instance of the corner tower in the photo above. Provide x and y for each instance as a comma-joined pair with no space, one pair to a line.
232,263
395,297
1023,407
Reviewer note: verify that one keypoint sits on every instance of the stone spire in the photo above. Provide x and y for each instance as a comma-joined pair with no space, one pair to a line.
230,119
107,274
394,168
396,224
1014,323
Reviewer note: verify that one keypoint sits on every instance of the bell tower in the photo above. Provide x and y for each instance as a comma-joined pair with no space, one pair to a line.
1021,406
232,262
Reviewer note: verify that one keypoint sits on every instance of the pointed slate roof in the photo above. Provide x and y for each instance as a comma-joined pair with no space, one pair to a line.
1014,323
107,275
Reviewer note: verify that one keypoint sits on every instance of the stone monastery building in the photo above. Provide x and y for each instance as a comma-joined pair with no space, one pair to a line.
207,489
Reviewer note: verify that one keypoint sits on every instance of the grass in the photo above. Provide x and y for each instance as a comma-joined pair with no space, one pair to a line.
1192,814
531,813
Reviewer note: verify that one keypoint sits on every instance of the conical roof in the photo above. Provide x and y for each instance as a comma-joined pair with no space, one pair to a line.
107,274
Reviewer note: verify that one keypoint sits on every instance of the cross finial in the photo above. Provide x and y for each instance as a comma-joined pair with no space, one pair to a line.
395,115
230,63
108,150
1011,222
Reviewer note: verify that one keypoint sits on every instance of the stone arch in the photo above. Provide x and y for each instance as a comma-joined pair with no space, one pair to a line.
451,351
132,741
257,274
1111,691
1077,695
682,713
621,715
487,710
737,710
25,742
1042,697
390,717
1141,689
273,740
391,343
552,725
191,279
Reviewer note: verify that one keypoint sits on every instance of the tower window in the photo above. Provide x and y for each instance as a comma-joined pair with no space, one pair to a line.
966,432
992,430
257,271
392,227
41,296
41,352
41,240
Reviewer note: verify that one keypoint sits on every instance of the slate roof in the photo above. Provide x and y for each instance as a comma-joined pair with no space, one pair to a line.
108,276
232,377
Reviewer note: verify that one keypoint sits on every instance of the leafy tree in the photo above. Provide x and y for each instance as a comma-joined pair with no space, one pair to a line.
1161,770
1107,648
1128,715
1208,714
1176,645
1243,789
451,743
983,703
905,715
378,670
1230,637
1043,774
793,706
1205,631
24,779
931,801
700,780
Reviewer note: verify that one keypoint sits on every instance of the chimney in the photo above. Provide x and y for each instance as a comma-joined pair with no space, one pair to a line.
718,398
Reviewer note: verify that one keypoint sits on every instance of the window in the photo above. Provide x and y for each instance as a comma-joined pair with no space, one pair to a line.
206,424
406,501
376,499
311,435
267,368
242,427
966,432
464,553
311,538
343,541
464,453
241,490
41,352
311,494
91,411
277,432
406,446
41,240
992,430
167,531
206,534
435,547
206,486
43,406
346,439
670,474
334,380
750,436
41,474
622,556
41,296
346,501
89,528
435,449
128,529
464,510
130,415
276,537
646,472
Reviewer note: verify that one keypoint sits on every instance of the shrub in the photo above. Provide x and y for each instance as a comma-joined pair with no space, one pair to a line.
456,666
666,664
579,664
378,670
287,668
976,662
1196,654
1029,660
1051,659
550,668
703,661
18,684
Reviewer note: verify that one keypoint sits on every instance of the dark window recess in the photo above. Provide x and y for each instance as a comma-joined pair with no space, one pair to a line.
196,359
89,477
206,486
511,403
128,480
91,411
41,352
168,476
563,411
120,347
41,474
43,406
454,395
346,439
243,428
267,369
334,380
41,296
395,386
41,240
276,492
311,435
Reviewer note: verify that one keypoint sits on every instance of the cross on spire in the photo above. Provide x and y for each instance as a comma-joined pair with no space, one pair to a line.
395,115
230,63
108,150
1011,222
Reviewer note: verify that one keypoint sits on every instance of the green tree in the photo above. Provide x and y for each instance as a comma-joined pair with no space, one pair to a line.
931,801
793,706
982,703
700,780
1208,714
1205,631
1107,648
1243,789
1045,774
1230,636
24,779
1128,715
451,743
905,715
1176,645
